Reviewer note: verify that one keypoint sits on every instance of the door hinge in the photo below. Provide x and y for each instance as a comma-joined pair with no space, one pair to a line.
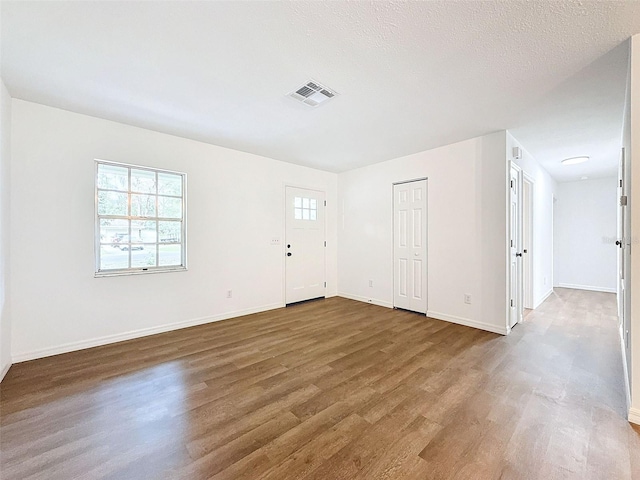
325,284
620,183
325,243
511,183
623,201
512,302
325,203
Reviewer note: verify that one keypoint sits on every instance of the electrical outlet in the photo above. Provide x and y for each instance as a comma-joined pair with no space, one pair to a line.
275,241
229,293
467,298
371,283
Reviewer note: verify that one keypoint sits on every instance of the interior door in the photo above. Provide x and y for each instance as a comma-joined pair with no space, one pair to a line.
304,244
515,234
410,245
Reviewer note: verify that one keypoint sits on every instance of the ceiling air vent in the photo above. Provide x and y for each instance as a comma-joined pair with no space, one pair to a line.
313,94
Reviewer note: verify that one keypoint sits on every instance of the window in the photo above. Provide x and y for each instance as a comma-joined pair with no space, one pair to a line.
305,208
140,219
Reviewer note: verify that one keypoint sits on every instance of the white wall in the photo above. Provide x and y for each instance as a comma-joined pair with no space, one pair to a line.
5,184
585,221
542,248
632,141
466,230
235,207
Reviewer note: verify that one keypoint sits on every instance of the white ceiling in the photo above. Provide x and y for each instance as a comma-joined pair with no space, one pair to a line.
411,75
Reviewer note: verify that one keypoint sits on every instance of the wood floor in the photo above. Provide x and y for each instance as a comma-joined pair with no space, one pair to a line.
332,389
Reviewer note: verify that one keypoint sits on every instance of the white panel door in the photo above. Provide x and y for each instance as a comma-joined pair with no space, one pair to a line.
515,234
410,246
304,245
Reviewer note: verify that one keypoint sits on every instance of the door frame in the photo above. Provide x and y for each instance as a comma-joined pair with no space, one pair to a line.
528,235
426,242
621,244
552,283
519,291
283,249
625,282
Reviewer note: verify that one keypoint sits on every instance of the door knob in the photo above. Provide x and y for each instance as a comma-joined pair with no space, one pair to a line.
288,254
619,243
518,254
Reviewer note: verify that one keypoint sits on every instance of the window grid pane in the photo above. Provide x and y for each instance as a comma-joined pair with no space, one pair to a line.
111,177
143,181
305,208
169,184
132,235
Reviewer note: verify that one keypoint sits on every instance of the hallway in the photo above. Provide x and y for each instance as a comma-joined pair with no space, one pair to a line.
567,361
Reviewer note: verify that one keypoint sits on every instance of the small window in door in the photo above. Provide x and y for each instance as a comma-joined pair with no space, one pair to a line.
305,208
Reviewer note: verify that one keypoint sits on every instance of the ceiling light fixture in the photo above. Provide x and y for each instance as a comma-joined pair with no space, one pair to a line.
574,160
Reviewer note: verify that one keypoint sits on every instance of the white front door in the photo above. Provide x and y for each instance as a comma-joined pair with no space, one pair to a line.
410,246
304,245
515,240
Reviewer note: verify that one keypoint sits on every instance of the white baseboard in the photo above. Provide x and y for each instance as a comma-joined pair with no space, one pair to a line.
4,371
587,287
634,416
544,297
373,301
143,332
438,316
624,368
469,323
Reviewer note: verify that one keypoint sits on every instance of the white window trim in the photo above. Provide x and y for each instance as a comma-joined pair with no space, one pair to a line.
138,270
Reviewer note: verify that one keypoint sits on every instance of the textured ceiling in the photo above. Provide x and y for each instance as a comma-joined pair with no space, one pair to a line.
581,116
411,75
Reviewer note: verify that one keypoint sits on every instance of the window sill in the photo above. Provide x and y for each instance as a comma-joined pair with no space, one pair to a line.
138,271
